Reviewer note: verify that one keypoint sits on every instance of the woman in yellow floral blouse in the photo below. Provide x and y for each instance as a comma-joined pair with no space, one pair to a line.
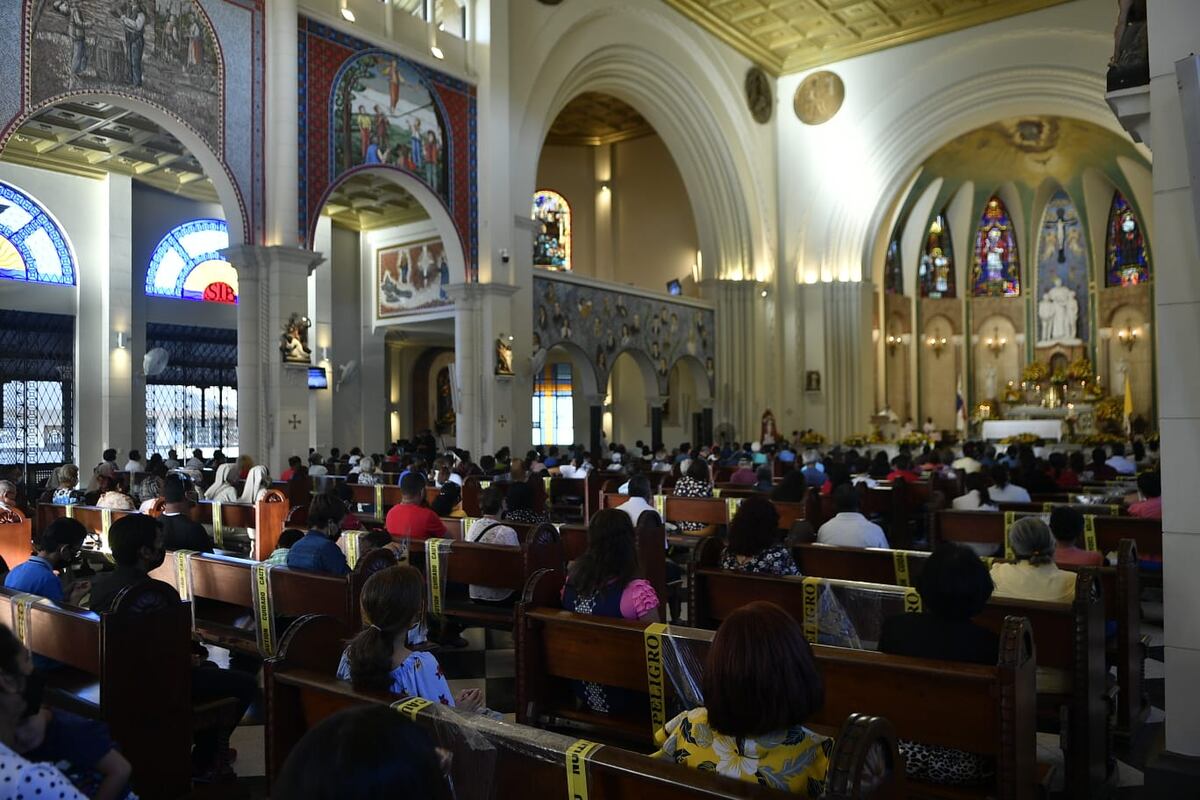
760,685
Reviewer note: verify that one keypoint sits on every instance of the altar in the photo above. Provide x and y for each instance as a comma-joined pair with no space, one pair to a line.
997,429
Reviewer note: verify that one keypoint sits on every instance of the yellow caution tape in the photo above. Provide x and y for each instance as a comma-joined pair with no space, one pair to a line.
183,574
264,612
988,561
218,524
660,505
1047,508
578,754
732,504
484,484
352,548
411,707
433,561
105,522
716,492
1089,532
467,524
900,563
912,601
812,623
653,636
70,511
379,501
1009,518
21,604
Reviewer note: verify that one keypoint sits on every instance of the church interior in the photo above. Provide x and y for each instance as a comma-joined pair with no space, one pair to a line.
705,398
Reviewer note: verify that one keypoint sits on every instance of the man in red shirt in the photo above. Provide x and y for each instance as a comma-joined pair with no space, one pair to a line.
412,519
902,470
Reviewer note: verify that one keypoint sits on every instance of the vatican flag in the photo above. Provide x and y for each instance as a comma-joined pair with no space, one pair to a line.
1128,405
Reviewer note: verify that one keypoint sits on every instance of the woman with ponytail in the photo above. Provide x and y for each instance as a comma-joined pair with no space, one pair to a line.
378,659
1034,575
977,497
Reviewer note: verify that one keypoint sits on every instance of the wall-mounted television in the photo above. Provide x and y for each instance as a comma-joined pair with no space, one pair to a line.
317,379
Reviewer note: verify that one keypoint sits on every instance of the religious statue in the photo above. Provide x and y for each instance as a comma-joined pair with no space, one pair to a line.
1058,227
293,344
768,428
504,357
1058,312
994,265
989,383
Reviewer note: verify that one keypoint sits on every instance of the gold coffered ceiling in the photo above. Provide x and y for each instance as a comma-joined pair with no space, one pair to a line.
793,35
368,201
595,118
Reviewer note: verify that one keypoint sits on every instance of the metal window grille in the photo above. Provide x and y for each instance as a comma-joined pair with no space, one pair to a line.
36,391
193,403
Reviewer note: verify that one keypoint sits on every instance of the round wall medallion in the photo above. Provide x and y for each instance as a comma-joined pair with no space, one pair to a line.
818,97
758,95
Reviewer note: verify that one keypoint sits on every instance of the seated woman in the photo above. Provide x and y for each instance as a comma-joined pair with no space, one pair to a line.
448,503
1034,576
954,587
605,581
696,482
222,489
518,505
755,544
378,658
977,497
1067,526
760,686
366,473
257,484
489,530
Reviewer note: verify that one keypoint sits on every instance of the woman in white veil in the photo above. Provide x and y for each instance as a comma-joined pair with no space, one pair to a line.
257,484
222,490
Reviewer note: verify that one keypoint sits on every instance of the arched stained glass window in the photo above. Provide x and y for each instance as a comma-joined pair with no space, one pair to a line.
997,268
893,269
935,276
1127,261
187,264
32,245
552,241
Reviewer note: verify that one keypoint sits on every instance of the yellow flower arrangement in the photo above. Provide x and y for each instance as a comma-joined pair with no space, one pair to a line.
1101,439
855,440
1023,438
812,439
913,440
1108,413
1035,372
1080,369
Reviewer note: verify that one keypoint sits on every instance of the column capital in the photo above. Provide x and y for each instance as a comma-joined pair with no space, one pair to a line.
474,292
592,400
250,260
657,400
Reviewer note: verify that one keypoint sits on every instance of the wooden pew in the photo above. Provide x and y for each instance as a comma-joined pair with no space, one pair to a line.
1069,638
96,520
222,591
301,691
1046,506
988,527
993,705
16,538
107,675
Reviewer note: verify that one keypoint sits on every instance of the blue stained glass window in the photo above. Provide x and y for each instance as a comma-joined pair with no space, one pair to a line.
997,268
187,264
32,245
1126,251
935,276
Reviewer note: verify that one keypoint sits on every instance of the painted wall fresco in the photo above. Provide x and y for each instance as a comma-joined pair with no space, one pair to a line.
338,75
411,276
605,323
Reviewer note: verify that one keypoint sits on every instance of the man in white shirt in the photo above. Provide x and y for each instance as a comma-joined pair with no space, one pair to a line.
968,463
196,461
850,528
1119,462
640,495
134,464
172,461
316,465
578,468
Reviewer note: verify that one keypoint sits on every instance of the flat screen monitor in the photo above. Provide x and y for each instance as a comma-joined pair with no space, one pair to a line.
317,379
674,287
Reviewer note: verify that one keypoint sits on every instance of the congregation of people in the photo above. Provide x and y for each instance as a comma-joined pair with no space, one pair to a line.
760,682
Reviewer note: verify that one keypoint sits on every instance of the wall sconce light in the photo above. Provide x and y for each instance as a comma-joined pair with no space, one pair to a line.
1128,337
347,14
995,343
937,344
763,293
122,340
893,341
605,188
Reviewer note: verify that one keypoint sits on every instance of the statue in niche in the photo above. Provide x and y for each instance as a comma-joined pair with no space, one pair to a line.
504,357
1058,313
989,383
768,432
293,344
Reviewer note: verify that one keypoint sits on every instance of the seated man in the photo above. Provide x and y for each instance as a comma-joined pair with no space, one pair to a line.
137,548
1119,462
181,532
850,528
412,519
1067,526
1150,489
317,551
744,475
57,545
640,499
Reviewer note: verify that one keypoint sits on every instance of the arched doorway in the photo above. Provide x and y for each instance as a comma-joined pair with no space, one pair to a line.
633,400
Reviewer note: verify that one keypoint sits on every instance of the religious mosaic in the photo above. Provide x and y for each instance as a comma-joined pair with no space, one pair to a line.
412,276
552,238
935,275
997,269
383,113
163,51
1062,275
605,323
1128,264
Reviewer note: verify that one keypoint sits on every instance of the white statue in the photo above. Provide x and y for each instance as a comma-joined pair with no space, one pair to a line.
1058,312
989,383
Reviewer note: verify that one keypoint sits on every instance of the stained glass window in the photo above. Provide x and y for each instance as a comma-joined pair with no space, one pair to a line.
997,268
1128,264
935,276
552,241
32,246
553,420
187,264
893,270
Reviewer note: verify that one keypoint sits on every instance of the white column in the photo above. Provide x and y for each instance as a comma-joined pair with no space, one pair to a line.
1174,34
282,200
738,358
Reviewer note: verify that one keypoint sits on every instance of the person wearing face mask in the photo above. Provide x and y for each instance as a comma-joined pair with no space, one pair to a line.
137,544
38,780
317,550
57,545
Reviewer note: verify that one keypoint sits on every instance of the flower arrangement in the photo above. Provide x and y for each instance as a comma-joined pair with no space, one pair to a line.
1093,390
812,439
1035,372
856,440
1080,369
913,440
875,438
1101,439
1031,439
1108,413
1059,377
